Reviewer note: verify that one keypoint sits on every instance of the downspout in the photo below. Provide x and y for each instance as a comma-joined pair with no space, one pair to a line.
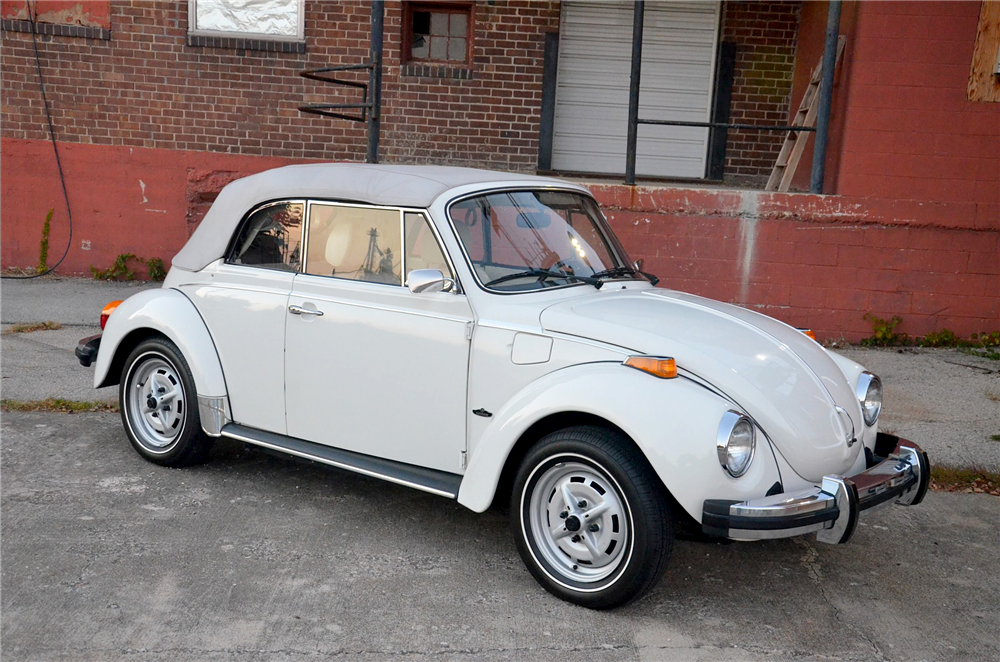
633,93
825,96
375,82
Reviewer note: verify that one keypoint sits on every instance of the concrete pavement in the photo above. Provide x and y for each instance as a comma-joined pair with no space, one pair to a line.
250,557
41,364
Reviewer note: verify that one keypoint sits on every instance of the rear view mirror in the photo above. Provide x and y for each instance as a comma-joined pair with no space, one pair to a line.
532,219
421,281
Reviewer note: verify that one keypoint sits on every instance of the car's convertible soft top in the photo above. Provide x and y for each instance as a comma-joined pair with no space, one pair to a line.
393,185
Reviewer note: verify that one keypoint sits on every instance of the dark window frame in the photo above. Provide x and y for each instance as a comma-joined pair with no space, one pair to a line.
406,51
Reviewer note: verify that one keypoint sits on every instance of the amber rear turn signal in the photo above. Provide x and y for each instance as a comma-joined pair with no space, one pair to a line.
106,313
663,367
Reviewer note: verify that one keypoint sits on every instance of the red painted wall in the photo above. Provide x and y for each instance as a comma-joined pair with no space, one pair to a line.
88,13
902,127
910,131
124,200
814,261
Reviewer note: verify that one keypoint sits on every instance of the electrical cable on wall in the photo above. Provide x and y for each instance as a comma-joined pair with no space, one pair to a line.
55,148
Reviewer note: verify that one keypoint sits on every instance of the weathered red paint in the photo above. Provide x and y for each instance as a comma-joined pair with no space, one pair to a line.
124,199
815,261
91,13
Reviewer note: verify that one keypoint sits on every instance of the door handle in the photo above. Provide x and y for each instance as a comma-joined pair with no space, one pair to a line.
299,310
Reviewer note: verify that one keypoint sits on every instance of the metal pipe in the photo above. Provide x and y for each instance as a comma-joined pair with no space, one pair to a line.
375,81
633,93
726,125
825,96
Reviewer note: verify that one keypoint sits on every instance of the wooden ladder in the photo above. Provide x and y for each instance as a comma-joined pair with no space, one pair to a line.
795,141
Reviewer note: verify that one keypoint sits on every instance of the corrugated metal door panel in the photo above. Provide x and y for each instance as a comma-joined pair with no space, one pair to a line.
678,65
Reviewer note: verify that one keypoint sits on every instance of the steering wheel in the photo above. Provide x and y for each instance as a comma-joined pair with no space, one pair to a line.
568,265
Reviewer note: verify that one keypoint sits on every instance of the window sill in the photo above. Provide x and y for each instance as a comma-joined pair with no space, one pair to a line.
248,44
56,30
414,69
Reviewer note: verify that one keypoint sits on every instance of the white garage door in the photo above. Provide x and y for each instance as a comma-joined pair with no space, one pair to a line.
592,84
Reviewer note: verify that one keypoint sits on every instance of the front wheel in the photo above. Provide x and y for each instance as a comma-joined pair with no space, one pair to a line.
159,407
590,518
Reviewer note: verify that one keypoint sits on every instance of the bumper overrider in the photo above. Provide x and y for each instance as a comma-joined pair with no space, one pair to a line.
86,350
897,471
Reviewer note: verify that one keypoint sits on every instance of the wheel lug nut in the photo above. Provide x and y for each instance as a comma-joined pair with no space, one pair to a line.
594,527
564,514
582,503
575,538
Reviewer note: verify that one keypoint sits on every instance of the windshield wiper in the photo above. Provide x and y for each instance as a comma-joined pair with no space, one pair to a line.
542,274
614,272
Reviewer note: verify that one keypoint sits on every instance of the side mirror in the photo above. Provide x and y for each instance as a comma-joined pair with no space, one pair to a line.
637,265
420,281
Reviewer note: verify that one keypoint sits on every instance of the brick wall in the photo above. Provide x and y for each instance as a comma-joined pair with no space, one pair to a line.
910,130
146,87
765,34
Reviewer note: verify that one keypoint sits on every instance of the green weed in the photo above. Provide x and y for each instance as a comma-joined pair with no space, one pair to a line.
57,405
43,249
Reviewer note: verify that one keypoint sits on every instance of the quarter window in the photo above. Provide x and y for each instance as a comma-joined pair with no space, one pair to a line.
422,249
271,238
355,243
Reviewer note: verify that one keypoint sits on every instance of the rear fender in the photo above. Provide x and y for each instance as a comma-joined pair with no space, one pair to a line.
170,313
674,422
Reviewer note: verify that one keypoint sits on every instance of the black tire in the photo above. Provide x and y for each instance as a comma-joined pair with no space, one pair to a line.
182,442
631,558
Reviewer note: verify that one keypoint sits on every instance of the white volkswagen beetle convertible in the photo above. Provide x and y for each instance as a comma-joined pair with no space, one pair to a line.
483,336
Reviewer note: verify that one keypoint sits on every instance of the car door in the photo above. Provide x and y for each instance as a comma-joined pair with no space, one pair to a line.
371,367
244,306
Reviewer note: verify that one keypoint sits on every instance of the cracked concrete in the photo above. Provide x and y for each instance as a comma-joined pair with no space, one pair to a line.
254,558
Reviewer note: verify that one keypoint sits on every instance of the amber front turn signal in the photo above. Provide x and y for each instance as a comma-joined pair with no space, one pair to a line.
663,367
809,332
106,313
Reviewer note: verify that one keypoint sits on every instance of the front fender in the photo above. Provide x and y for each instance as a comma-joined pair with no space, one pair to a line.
171,313
674,422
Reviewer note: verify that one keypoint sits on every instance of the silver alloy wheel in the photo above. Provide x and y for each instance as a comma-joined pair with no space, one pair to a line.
579,521
156,402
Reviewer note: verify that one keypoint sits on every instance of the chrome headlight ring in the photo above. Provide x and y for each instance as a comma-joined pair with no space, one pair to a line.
735,443
869,394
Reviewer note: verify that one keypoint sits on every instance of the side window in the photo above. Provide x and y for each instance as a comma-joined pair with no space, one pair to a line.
422,249
271,238
356,243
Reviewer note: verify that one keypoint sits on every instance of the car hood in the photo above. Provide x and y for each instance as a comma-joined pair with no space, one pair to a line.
786,381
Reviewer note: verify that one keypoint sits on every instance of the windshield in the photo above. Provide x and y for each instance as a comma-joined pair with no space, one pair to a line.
529,240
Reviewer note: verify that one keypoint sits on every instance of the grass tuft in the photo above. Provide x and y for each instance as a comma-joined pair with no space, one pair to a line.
34,326
57,405
971,480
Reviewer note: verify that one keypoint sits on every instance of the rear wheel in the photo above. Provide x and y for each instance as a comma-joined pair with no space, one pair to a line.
590,518
158,405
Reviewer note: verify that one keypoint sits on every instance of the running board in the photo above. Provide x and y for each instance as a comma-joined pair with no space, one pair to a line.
428,480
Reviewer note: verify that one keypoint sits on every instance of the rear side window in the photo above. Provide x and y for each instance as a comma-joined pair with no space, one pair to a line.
271,238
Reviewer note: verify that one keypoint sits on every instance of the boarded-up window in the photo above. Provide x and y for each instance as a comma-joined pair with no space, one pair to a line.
984,80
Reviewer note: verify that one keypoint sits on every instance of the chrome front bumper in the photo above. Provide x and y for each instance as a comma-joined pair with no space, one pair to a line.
898,470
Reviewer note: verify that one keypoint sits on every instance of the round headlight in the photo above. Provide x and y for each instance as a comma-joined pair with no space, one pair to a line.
869,392
735,443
